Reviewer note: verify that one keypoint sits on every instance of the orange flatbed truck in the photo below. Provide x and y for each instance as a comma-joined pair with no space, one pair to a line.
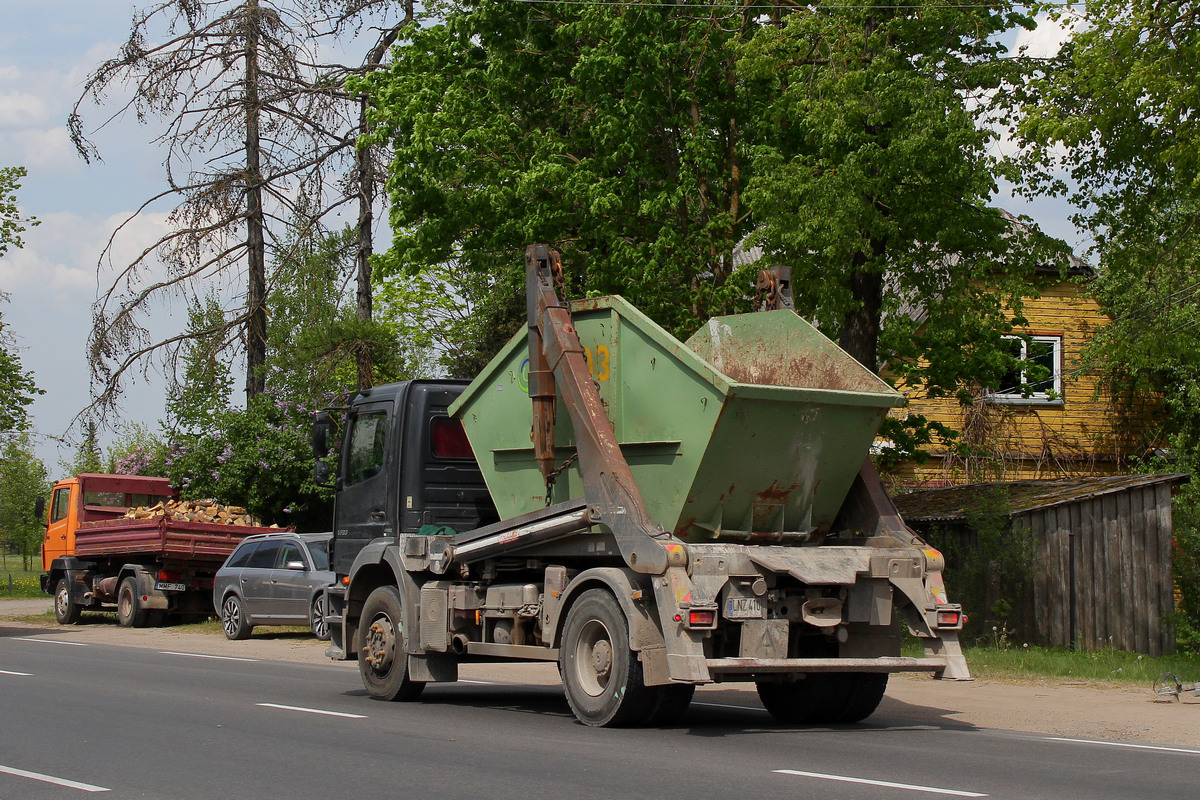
144,569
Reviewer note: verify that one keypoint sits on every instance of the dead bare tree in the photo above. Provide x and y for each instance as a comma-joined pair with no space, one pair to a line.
259,134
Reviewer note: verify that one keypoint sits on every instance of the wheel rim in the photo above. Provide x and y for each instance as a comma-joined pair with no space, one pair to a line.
62,602
319,627
593,658
125,605
379,648
231,616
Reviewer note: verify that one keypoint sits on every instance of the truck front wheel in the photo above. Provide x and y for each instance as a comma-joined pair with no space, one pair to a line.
130,613
382,662
65,611
601,675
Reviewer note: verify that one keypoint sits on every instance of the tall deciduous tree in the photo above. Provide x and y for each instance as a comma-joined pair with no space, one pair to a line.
22,481
649,142
1115,112
16,383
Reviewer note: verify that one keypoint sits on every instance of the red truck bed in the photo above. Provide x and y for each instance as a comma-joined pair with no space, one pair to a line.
161,538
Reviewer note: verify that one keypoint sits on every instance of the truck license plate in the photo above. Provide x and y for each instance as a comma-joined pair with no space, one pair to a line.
165,586
743,608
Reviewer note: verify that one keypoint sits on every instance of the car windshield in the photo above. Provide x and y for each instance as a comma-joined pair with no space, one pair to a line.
319,550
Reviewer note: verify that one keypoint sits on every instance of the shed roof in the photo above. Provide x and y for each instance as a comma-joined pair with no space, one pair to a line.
956,503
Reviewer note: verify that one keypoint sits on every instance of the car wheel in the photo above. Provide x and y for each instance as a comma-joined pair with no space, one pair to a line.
382,662
130,613
316,618
65,611
233,619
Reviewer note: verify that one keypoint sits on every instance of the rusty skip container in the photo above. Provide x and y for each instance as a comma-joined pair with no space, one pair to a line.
752,431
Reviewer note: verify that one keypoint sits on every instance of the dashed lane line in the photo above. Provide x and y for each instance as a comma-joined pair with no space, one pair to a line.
313,711
8,672
1127,745
886,784
205,655
37,776
46,641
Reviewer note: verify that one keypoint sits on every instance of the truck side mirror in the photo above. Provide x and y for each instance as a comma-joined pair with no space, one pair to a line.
322,427
322,474
39,509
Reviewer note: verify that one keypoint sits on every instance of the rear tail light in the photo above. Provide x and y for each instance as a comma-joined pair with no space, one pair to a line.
169,575
949,619
701,619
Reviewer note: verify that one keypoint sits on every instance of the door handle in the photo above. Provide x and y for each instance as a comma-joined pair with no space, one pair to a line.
377,515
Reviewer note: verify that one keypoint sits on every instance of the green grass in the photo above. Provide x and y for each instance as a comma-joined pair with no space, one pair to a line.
1029,663
25,583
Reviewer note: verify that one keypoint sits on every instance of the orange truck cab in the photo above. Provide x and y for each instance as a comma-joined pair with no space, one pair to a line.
91,497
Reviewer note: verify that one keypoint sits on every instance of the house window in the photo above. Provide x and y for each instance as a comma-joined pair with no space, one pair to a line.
1039,380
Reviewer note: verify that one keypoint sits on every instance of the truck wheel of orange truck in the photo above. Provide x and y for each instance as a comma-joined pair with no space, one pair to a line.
66,612
382,662
601,675
130,613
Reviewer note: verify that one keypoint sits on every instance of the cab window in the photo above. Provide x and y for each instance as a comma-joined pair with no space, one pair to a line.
61,505
367,439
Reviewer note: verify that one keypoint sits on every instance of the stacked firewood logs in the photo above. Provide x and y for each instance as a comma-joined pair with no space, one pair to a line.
197,511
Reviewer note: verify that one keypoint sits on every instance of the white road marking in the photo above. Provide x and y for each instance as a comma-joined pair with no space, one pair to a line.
202,655
1126,744
6,672
47,641
723,705
313,711
480,683
888,784
37,776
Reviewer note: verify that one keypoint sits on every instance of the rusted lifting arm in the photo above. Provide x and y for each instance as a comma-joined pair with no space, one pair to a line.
556,361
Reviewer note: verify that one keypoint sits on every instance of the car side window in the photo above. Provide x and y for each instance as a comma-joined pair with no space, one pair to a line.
320,554
265,556
367,439
288,552
242,557
61,505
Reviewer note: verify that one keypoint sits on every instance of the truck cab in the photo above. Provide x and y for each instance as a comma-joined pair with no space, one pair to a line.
92,497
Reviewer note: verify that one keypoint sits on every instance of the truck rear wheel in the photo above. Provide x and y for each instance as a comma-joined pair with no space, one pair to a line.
824,698
669,703
601,675
382,661
65,611
130,613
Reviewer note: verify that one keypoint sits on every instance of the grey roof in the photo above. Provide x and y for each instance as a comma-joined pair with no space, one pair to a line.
956,503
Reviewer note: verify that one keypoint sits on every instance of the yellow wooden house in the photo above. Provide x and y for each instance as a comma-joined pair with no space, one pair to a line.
1067,426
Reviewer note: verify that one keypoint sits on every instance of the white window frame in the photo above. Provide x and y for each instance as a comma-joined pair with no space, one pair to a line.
1053,396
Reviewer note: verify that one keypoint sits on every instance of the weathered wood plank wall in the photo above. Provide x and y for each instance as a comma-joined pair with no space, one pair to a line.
1120,572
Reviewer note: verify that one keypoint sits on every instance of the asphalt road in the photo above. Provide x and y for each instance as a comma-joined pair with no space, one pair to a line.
119,722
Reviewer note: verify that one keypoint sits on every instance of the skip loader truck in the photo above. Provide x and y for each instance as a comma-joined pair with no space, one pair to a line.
649,514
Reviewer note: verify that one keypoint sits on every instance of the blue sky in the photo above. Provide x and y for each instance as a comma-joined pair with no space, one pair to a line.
47,49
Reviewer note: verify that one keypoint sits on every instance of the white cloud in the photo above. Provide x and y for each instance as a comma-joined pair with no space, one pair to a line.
22,110
1047,38
49,148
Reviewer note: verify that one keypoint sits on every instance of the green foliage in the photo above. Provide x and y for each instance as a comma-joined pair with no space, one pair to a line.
23,479
16,384
201,394
135,450
316,338
260,458
990,565
24,582
12,224
88,457
649,143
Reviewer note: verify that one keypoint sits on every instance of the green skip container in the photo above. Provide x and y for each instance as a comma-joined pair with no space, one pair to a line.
751,431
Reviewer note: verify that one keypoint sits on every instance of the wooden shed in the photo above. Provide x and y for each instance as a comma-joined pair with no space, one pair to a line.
1102,575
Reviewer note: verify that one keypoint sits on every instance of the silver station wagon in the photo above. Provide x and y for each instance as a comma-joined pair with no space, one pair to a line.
274,579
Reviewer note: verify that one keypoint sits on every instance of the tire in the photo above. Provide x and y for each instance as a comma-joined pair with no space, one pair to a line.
316,618
65,611
669,704
233,618
824,698
382,662
601,675
130,613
